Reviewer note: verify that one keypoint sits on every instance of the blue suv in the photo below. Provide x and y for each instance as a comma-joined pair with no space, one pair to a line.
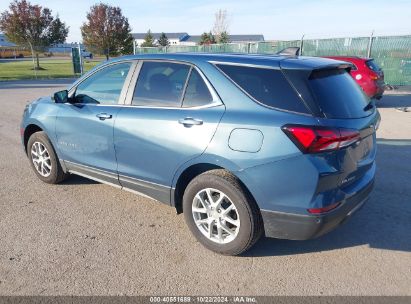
243,145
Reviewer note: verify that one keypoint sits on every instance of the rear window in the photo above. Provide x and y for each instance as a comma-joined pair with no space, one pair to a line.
267,86
372,65
337,94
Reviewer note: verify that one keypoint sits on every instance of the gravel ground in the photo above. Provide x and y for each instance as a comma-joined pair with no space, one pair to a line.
85,238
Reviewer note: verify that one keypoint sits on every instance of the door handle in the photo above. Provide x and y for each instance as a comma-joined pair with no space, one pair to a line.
104,116
189,121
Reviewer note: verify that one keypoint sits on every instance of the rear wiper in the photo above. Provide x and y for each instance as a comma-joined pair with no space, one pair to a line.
369,106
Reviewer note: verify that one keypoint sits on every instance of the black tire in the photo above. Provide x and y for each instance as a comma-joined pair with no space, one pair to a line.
251,226
57,174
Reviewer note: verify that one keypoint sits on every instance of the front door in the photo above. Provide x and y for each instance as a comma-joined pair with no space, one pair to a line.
84,127
172,118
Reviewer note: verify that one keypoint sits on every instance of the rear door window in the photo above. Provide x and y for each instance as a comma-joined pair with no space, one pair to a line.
197,93
160,84
267,86
337,94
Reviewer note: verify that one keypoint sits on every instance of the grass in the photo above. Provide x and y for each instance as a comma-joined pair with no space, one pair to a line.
17,70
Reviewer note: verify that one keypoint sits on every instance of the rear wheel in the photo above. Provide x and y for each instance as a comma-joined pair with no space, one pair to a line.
43,159
221,215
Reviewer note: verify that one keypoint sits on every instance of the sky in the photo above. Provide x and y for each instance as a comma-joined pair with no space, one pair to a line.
276,20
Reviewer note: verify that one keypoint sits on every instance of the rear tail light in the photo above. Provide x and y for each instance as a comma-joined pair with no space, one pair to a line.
313,139
374,76
323,209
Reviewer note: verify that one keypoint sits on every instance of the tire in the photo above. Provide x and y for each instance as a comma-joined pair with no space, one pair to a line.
51,172
243,220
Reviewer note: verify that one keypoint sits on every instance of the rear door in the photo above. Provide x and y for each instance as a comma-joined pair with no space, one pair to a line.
171,117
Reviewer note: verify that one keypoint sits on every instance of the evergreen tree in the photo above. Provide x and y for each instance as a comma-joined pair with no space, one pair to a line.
224,38
207,39
148,40
163,40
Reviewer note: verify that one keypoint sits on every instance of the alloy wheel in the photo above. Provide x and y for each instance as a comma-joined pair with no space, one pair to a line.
41,159
215,215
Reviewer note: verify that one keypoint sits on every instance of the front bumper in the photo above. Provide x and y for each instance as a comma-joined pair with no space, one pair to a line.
302,227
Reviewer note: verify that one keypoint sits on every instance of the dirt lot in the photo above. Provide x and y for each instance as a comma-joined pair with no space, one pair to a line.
85,238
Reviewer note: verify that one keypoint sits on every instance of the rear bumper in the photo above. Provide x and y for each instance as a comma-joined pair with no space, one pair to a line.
379,92
302,227
372,88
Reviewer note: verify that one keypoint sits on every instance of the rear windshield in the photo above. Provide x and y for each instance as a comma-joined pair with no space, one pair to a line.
372,65
267,86
337,94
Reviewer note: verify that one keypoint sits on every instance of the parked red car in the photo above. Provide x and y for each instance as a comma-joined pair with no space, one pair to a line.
367,74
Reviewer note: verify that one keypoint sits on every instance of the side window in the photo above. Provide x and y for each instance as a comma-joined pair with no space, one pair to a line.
267,86
103,87
160,84
197,93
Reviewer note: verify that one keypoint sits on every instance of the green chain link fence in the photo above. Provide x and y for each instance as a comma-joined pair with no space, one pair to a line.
392,53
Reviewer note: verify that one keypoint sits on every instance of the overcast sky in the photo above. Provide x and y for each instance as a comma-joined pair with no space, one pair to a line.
286,19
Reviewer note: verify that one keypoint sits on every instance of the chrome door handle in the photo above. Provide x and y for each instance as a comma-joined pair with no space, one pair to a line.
104,116
189,121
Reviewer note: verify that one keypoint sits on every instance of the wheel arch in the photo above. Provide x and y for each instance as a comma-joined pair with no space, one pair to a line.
34,127
28,131
191,172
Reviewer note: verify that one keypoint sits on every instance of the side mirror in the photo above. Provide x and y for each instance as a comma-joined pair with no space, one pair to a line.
61,96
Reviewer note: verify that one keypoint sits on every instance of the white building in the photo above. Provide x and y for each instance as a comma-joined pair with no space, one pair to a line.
173,38
186,39
195,39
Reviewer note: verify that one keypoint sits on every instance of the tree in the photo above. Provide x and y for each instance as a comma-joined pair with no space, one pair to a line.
107,31
224,38
220,24
32,26
148,40
207,38
163,40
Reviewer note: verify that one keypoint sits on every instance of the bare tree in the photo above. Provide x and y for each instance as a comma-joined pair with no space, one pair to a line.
220,24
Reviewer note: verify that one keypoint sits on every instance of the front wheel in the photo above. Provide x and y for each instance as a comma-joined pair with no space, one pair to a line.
221,214
43,159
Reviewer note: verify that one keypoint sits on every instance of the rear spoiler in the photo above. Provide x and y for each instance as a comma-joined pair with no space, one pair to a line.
330,67
333,66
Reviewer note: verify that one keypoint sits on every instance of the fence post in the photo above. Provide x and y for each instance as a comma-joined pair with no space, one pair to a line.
370,45
81,59
134,46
